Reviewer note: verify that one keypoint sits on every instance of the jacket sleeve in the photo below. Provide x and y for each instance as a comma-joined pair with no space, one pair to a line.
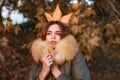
34,72
79,68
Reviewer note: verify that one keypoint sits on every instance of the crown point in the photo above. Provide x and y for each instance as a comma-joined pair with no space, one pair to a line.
57,13
65,19
48,16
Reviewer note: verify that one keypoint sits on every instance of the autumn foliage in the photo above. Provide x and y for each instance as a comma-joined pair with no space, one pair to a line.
96,28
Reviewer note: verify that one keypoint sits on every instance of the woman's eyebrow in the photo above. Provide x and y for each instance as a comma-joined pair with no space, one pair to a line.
49,31
58,31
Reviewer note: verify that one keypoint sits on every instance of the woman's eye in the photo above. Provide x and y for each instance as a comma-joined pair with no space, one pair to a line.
48,33
59,34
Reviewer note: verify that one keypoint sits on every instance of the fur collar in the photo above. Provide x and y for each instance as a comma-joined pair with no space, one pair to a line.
65,50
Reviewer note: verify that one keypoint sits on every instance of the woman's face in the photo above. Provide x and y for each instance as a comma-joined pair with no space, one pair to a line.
53,34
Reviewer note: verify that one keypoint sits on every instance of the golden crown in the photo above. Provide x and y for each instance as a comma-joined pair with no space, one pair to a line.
57,16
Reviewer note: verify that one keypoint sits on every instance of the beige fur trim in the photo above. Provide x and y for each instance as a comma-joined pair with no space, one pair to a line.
39,48
65,50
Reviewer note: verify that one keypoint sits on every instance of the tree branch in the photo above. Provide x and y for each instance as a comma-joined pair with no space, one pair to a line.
113,7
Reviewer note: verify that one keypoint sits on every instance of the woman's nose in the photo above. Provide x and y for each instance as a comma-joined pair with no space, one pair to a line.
53,36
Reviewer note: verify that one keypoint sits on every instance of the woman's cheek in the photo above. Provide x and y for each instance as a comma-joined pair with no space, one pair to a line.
48,39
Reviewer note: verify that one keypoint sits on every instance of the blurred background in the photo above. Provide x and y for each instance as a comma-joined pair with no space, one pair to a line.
94,23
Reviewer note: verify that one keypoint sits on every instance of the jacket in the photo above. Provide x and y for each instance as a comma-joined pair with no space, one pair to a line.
66,55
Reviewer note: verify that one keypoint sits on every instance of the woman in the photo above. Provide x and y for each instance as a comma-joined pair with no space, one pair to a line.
56,56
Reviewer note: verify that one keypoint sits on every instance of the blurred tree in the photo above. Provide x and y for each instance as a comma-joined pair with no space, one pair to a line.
96,27
90,24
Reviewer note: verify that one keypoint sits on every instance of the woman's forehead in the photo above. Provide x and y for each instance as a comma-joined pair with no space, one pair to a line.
54,27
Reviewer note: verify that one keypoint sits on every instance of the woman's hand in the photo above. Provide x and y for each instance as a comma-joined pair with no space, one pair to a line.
47,61
55,71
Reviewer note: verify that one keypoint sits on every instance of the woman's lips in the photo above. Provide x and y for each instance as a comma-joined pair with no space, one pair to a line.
53,42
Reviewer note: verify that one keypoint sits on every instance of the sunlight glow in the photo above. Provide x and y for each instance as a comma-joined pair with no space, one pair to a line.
90,2
73,1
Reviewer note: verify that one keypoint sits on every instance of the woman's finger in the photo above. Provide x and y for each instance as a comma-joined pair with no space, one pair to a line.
49,61
47,55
